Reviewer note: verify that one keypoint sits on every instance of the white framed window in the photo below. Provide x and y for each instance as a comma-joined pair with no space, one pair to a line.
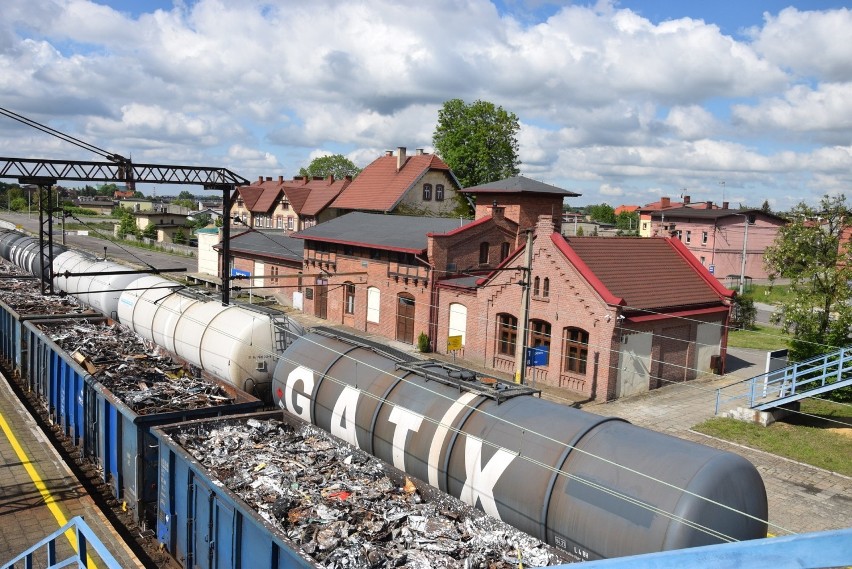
373,298
704,238
689,236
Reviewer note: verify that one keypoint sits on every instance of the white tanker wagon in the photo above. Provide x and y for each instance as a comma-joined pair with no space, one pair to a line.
232,343
595,486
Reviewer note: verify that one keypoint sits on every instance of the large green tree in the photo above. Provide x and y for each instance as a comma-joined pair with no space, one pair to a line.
336,165
810,253
479,142
602,213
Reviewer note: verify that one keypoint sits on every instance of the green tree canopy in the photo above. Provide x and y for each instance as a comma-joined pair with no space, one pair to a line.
627,221
186,195
336,165
809,252
602,213
479,142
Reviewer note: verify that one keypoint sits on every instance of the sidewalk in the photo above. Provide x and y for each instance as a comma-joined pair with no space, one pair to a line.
802,498
38,492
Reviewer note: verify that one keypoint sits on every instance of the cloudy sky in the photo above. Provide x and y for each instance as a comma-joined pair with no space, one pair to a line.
622,101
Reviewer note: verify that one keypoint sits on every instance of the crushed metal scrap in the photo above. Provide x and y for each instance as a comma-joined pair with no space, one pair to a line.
338,504
23,294
139,373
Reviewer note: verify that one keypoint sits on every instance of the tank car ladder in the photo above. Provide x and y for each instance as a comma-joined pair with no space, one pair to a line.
285,331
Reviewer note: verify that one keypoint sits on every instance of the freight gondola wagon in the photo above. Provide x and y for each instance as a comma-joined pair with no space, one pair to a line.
88,399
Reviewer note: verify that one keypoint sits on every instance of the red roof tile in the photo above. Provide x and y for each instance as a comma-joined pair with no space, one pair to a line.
650,273
379,187
250,195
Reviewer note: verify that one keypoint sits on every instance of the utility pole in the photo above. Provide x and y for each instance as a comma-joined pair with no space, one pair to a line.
745,243
523,321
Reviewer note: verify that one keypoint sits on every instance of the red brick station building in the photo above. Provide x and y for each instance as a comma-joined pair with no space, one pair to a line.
617,315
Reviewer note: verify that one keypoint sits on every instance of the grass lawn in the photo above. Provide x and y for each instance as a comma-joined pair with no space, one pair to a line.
812,440
760,338
769,294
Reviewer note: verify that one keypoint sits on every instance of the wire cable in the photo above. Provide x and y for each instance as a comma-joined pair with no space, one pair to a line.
227,334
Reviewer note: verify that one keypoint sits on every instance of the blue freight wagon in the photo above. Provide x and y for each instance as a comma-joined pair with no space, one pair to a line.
106,430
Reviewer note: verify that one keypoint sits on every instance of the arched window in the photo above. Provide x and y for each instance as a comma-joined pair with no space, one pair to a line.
349,297
483,253
372,304
427,192
536,286
507,334
539,333
439,192
504,251
575,349
458,320
545,290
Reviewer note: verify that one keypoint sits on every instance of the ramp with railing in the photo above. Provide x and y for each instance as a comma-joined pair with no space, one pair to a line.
802,379
83,539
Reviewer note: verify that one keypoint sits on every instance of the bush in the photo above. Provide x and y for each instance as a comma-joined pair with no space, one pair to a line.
423,342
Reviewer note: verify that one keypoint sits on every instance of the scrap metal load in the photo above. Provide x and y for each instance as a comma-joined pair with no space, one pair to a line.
595,486
19,290
140,374
343,507
233,343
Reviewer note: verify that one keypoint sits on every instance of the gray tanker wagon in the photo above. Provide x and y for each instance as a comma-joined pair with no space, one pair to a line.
595,486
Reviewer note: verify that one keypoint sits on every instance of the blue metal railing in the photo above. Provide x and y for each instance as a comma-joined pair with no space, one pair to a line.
802,379
85,538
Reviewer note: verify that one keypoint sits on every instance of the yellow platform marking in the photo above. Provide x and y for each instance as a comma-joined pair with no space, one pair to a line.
48,498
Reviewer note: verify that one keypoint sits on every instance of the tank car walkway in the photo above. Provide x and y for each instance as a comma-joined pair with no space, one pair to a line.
38,493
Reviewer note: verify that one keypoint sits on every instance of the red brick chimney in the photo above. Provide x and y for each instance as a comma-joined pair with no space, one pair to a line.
710,204
665,202
724,205
280,179
685,200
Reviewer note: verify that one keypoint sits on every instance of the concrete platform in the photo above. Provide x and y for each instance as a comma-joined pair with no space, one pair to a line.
39,493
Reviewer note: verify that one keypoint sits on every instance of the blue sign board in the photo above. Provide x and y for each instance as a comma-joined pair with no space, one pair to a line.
537,356
712,269
240,273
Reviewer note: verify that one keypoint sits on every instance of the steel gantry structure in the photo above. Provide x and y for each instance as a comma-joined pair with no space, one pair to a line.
46,173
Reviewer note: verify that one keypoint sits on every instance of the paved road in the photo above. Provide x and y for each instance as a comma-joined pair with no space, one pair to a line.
134,256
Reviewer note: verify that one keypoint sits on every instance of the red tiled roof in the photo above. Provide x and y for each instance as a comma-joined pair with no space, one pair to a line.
306,196
297,196
650,273
380,186
267,199
250,194
627,208
319,198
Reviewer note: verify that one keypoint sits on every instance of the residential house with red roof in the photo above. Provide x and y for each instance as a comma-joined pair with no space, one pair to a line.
728,242
609,331
287,205
421,184
626,209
